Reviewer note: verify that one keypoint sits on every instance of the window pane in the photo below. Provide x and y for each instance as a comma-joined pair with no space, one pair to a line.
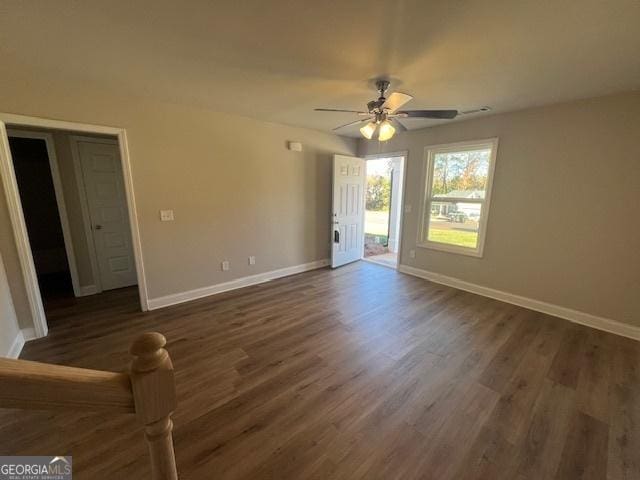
461,174
454,223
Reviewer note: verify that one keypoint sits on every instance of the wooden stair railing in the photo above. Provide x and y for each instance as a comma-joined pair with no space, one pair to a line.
148,391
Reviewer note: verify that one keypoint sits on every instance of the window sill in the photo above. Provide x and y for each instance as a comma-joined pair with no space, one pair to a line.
442,247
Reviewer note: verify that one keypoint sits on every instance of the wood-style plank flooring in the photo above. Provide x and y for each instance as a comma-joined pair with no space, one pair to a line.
356,373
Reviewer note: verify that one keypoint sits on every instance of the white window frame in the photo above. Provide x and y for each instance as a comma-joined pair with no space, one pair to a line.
427,182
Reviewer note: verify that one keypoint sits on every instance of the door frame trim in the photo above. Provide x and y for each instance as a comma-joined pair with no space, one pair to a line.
405,155
84,202
59,192
17,217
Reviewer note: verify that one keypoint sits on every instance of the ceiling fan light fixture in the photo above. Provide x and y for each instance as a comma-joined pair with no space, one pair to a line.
386,131
368,130
387,108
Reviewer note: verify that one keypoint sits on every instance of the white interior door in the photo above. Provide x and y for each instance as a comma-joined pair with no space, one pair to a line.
107,202
348,210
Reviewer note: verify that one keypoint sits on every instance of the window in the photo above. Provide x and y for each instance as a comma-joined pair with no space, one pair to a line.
457,193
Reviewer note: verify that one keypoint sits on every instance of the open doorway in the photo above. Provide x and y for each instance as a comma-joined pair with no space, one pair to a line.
43,207
383,208
70,201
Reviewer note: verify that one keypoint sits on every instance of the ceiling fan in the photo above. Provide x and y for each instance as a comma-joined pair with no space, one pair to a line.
382,114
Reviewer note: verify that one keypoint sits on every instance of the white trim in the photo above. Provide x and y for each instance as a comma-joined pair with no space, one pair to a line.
575,316
20,235
405,161
17,218
372,259
405,156
373,156
59,193
24,120
175,298
427,182
74,140
29,334
133,218
87,290
16,346
23,336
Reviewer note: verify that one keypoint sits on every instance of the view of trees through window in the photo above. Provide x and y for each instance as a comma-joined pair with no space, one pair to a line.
378,192
378,202
460,171
458,187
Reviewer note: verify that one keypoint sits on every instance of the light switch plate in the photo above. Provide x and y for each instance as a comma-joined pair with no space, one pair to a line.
225,265
166,215
252,260
407,209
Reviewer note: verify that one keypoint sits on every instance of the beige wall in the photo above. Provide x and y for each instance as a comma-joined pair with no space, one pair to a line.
235,188
563,226
8,323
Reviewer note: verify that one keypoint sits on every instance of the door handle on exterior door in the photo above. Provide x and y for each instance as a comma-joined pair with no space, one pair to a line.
98,227
336,236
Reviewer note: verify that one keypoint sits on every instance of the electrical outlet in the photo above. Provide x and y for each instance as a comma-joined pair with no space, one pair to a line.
412,253
252,260
225,266
407,209
166,215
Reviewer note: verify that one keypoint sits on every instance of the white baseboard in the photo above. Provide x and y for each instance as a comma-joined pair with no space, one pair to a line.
23,336
16,346
601,323
175,298
29,334
88,290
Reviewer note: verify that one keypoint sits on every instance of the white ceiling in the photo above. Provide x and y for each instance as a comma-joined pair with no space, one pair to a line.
276,60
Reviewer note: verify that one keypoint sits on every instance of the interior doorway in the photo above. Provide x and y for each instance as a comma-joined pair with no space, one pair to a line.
42,200
86,247
383,209
70,198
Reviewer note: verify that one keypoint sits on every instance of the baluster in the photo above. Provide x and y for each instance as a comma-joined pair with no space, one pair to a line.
154,396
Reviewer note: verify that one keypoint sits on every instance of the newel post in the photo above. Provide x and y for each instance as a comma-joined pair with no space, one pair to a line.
154,394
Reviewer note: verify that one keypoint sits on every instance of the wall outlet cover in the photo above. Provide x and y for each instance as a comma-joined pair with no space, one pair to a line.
252,260
225,265
166,215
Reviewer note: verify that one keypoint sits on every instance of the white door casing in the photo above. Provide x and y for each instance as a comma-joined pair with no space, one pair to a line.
107,205
59,193
347,238
8,178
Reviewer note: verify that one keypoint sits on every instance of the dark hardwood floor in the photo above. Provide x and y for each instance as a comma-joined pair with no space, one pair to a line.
356,373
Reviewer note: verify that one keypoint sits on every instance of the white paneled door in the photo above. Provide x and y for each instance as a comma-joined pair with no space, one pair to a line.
347,235
107,202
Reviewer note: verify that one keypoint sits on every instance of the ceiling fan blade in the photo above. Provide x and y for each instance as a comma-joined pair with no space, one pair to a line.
362,120
396,100
340,110
447,114
399,125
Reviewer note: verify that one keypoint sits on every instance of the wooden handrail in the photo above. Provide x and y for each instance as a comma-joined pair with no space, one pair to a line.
148,391
41,386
